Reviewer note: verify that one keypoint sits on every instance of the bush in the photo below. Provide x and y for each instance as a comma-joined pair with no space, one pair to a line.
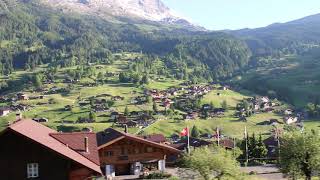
158,175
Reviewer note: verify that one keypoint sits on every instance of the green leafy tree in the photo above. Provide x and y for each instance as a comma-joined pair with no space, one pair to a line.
300,155
126,111
110,103
100,76
260,151
212,105
145,79
213,160
149,99
92,116
37,81
195,132
224,105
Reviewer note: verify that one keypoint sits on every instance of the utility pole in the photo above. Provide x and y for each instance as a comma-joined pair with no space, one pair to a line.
246,141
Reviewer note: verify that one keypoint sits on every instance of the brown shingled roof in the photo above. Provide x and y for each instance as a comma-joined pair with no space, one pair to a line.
158,138
42,135
75,141
110,135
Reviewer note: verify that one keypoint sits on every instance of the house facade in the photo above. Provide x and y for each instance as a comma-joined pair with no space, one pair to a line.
124,154
30,150
4,111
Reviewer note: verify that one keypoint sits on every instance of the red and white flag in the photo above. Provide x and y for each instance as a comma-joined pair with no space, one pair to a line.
184,132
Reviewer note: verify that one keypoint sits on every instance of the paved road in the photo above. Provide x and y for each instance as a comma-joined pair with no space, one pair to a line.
267,172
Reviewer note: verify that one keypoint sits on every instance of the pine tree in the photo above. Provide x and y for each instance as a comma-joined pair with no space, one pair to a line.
155,107
37,81
195,132
92,116
252,145
260,150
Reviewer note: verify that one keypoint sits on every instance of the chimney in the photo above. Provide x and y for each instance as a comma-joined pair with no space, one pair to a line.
18,116
86,144
125,128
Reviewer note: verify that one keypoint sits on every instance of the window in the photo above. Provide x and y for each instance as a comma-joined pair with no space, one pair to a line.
149,149
33,170
124,151
108,153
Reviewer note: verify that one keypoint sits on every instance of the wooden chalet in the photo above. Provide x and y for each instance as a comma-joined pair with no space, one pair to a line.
124,154
4,111
158,138
30,150
182,144
22,96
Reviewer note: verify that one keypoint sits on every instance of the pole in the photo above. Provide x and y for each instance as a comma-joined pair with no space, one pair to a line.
188,135
218,136
278,141
246,139
234,145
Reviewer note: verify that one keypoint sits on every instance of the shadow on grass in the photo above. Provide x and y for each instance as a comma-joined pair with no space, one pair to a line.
122,85
63,128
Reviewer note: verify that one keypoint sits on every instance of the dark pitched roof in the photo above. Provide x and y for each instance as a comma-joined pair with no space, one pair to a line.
271,141
158,138
4,108
110,135
227,143
42,135
195,142
107,135
75,141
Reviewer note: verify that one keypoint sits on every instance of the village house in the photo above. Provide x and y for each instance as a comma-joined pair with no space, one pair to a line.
22,96
272,145
288,112
145,120
290,120
40,120
227,143
158,138
114,115
167,103
4,111
124,154
121,120
132,124
30,150
117,98
19,107
182,144
191,116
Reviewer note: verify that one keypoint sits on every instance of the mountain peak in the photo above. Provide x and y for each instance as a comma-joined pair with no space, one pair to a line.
152,10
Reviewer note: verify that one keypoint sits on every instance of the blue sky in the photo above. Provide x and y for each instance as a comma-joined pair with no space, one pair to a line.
237,14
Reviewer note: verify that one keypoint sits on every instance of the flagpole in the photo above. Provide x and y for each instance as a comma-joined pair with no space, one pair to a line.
188,135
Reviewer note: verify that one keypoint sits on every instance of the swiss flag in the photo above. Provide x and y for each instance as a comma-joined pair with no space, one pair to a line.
184,132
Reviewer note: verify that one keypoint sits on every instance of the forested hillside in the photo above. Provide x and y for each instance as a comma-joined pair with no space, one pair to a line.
295,37
31,34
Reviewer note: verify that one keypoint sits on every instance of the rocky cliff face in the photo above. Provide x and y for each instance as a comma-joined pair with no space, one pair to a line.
152,10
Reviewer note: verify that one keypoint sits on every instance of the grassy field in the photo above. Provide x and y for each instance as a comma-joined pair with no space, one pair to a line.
229,125
55,112
58,117
294,79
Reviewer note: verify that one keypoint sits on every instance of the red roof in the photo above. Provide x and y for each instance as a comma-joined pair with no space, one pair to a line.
42,135
75,141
